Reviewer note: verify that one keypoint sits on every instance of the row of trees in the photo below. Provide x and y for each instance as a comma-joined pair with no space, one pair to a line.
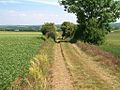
67,28
93,18
20,28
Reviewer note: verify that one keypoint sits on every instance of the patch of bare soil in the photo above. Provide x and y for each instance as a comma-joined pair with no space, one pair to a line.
61,79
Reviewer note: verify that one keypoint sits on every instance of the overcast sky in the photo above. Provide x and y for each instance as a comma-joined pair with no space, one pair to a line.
15,12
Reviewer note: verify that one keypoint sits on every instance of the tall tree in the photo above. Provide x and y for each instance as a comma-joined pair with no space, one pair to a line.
93,17
68,29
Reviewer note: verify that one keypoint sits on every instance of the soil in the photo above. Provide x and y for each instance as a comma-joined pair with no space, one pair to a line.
73,69
61,79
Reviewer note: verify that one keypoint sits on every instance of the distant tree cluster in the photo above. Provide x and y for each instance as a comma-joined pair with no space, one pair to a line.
115,26
93,17
20,28
68,29
49,30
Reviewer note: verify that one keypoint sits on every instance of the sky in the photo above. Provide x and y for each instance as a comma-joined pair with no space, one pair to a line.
33,12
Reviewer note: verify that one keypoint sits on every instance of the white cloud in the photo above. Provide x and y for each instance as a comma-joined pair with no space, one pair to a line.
16,13
10,1
12,17
49,2
23,15
34,16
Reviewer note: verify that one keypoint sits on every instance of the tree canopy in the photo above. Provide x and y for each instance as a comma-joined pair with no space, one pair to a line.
49,30
48,27
68,29
93,17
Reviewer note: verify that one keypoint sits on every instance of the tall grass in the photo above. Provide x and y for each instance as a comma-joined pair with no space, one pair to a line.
39,68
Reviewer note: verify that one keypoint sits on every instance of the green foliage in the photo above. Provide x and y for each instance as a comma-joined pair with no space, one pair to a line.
68,29
48,27
49,30
92,33
51,35
93,16
16,51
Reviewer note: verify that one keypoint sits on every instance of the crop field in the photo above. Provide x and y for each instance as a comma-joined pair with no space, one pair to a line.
113,43
16,51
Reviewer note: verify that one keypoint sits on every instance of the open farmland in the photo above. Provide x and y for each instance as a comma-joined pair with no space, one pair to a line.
113,43
16,51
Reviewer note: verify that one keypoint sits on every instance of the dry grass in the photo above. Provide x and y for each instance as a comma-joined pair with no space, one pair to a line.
88,74
106,58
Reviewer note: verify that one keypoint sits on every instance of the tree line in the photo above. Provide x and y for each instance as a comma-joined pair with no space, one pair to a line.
93,19
67,28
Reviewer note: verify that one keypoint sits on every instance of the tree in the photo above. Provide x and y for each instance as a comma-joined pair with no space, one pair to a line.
48,27
93,17
68,29
49,30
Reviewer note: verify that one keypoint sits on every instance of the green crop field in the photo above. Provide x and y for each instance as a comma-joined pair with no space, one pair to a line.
16,51
113,43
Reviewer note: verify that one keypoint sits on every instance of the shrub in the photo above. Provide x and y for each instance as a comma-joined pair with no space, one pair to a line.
68,29
49,30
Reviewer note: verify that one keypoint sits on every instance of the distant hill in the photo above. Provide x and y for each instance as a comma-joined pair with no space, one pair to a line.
19,27
115,26
33,28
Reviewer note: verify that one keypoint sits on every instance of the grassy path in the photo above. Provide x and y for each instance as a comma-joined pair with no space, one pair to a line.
73,69
88,74
61,78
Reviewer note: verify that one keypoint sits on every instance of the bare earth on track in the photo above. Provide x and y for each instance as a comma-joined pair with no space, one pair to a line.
73,69
60,76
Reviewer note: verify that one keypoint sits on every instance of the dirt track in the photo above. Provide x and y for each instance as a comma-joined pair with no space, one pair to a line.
86,74
61,78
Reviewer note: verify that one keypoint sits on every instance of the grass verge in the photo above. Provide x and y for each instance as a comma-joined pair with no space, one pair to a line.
105,59
86,74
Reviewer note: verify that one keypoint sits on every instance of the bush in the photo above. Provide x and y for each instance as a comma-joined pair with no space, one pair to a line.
49,30
68,29
51,35
48,27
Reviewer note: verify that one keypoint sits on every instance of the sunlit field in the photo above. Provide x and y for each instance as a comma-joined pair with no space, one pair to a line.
16,51
113,43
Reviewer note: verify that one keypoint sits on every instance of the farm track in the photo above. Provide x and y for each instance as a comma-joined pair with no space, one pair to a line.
86,72
75,70
60,76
